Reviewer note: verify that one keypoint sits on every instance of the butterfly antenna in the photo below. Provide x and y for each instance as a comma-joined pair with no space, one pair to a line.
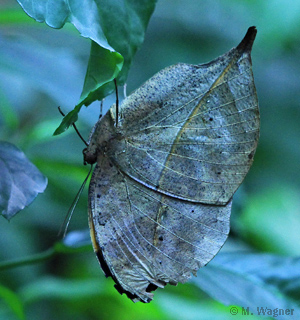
101,109
74,126
71,210
125,90
117,102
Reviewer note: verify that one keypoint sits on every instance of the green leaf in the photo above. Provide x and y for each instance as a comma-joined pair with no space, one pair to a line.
68,120
251,280
103,68
83,15
117,29
13,301
124,23
281,272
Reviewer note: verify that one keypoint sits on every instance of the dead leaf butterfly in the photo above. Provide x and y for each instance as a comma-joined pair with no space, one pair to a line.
160,195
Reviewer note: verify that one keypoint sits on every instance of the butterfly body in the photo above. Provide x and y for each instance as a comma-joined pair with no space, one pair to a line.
160,195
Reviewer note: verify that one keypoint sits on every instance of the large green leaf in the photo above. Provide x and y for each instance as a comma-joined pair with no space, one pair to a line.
103,68
260,282
84,15
124,23
117,28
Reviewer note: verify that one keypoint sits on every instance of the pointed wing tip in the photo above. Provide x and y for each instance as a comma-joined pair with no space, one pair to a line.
247,43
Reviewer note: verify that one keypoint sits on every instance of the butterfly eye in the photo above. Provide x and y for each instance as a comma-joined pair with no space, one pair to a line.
89,156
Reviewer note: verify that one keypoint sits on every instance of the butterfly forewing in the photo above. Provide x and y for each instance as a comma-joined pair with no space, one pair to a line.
195,139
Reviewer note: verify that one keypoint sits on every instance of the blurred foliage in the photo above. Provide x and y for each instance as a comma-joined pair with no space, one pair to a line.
116,29
41,68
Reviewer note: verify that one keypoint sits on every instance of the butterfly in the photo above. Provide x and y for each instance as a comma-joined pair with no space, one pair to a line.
166,169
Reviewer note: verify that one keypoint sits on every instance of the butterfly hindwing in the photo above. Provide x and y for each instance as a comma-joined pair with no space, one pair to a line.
195,129
144,239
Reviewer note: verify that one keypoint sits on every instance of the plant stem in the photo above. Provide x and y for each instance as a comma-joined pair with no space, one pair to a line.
35,258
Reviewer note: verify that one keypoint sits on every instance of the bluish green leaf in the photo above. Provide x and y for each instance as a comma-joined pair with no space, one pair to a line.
251,281
124,23
84,15
103,68
117,28
20,180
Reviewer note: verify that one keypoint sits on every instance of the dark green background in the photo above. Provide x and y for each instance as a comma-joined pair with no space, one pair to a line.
41,68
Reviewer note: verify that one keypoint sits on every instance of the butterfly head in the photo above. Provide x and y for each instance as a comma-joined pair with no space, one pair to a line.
101,135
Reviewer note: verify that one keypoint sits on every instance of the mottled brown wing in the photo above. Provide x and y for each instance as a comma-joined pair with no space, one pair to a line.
191,131
145,239
160,195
